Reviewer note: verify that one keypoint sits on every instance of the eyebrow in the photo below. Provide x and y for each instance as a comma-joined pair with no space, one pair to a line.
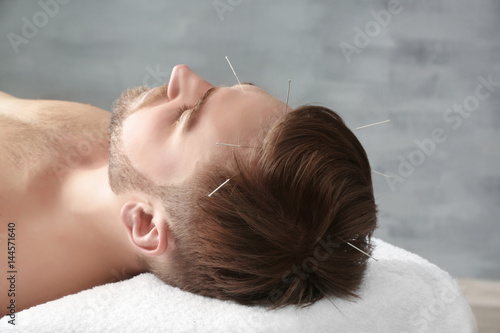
202,101
197,107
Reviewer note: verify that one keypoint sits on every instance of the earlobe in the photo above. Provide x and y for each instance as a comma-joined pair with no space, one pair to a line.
148,232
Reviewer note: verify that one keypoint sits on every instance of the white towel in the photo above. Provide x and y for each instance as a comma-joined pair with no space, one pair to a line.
401,293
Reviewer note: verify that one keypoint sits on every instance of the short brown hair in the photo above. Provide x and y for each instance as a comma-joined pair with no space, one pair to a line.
277,232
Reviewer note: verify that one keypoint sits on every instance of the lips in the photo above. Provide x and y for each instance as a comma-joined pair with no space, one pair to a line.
148,93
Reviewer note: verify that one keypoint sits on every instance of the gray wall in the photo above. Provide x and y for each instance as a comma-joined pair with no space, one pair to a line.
413,67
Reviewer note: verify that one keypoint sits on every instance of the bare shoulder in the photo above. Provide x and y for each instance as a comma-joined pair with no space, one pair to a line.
4,95
31,117
40,135
29,110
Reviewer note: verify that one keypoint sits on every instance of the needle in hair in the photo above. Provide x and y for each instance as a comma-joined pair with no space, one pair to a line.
357,248
328,298
229,62
287,94
374,124
219,187
382,174
361,251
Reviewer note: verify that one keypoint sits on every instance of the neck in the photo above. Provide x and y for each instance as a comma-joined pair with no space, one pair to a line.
97,209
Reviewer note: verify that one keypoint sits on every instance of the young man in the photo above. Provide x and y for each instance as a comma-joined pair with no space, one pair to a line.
296,195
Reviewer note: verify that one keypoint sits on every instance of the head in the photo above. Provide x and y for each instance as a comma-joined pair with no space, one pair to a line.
276,233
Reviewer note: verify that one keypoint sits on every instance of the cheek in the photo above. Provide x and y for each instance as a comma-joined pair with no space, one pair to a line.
147,142
141,133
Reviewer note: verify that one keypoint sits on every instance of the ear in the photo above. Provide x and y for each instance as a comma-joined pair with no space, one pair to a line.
147,230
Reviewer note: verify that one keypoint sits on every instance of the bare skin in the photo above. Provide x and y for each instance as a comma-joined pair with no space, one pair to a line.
67,239
72,232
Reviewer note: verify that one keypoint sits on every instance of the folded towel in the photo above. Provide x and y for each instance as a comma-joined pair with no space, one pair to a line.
401,293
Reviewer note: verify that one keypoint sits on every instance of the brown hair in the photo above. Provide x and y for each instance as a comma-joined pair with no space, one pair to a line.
277,232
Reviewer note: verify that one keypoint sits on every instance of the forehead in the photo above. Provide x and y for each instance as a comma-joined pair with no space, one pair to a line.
251,103
238,115
230,119
229,116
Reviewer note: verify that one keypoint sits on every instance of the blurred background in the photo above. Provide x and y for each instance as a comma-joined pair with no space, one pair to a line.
431,66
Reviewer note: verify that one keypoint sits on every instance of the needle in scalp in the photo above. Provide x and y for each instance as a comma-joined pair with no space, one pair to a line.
357,248
374,124
229,62
382,174
219,187
287,94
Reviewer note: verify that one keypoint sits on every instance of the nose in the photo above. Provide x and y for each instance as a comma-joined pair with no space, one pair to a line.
186,85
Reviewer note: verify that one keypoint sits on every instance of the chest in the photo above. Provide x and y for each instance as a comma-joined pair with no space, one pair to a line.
37,156
41,145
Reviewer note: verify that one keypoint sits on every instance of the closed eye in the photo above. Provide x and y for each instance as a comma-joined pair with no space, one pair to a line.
181,110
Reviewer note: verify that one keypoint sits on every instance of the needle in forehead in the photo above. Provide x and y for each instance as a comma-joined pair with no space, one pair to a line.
229,62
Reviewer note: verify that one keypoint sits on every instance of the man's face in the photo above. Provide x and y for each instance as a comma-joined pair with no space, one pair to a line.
167,141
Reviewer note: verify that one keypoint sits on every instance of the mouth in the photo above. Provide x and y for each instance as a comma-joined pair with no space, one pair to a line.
148,93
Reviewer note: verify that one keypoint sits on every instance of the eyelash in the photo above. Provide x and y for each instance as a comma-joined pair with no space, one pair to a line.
181,110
